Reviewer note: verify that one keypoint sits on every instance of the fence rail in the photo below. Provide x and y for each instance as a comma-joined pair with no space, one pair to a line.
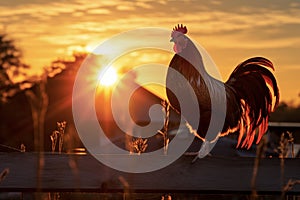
68,172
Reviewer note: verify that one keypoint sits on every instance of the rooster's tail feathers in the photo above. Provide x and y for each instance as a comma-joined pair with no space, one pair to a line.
257,91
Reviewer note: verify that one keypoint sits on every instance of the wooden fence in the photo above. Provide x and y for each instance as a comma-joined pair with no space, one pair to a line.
71,173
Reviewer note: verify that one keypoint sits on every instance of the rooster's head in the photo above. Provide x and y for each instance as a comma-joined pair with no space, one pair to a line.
179,39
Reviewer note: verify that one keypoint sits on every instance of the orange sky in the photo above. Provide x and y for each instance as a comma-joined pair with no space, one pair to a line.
231,31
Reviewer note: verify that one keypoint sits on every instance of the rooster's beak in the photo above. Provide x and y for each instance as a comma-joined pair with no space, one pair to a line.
172,40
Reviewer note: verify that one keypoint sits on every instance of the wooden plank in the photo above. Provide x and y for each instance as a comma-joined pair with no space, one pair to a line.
66,172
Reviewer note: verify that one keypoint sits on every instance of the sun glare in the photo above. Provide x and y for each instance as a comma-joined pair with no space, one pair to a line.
108,77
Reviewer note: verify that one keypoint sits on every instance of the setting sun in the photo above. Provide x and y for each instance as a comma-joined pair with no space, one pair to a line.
108,77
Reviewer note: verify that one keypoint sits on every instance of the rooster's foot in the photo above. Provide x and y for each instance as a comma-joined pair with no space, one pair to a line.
204,150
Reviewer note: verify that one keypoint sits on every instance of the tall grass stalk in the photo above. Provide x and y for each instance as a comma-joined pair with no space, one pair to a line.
61,126
286,145
127,194
54,137
260,151
23,148
3,174
58,135
166,197
164,132
39,103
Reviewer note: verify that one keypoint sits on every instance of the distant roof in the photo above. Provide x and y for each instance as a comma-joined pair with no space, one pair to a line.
284,124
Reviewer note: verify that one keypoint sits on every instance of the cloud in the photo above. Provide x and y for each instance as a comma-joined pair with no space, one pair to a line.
72,22
125,8
44,29
98,11
51,9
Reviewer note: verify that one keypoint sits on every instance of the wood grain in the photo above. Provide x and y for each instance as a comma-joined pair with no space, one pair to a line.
69,172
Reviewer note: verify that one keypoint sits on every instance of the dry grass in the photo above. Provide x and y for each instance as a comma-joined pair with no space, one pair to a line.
54,137
164,132
286,145
166,197
285,149
3,174
260,151
23,148
58,135
139,145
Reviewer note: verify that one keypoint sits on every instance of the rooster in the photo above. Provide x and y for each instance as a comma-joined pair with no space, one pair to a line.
251,92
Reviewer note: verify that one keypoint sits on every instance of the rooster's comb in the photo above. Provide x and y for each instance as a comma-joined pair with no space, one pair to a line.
180,28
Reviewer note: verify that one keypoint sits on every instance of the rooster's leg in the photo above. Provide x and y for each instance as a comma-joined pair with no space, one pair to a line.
205,149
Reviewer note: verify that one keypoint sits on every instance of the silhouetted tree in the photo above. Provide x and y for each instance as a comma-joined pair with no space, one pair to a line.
10,67
34,87
286,113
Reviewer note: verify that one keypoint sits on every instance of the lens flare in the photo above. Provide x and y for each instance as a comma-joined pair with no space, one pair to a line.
108,77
